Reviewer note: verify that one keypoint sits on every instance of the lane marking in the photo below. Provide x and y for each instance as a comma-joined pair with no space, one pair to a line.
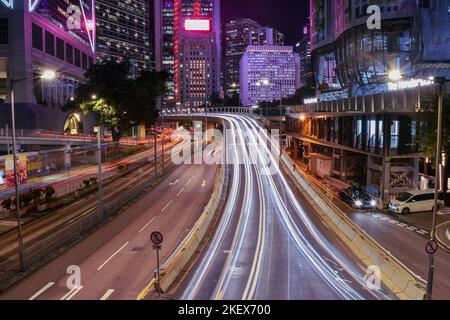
167,205
174,183
41,291
147,224
114,254
146,290
180,192
69,295
204,184
188,183
107,294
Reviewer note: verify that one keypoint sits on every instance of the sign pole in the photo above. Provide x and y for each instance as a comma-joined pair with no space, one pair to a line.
157,238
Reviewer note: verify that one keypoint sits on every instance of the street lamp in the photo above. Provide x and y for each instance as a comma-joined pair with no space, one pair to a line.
395,75
46,75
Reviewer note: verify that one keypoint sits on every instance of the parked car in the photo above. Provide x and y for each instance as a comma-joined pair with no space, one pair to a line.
415,201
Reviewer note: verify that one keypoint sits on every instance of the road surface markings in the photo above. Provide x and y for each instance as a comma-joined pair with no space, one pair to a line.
69,295
188,183
411,228
174,183
180,192
114,254
422,231
167,205
107,294
204,184
45,288
147,224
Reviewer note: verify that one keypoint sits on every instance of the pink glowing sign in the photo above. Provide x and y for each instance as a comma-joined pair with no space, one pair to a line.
197,25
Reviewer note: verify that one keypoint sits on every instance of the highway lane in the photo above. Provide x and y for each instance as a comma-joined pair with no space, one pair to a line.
276,250
121,259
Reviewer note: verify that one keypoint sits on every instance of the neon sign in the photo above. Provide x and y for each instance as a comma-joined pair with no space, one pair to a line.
80,16
8,3
197,25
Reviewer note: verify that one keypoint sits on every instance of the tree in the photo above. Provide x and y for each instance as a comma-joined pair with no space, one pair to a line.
428,129
117,100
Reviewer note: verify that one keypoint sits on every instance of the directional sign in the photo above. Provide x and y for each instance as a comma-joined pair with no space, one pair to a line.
156,237
432,247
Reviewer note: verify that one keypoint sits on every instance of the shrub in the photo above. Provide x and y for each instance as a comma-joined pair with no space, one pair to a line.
93,180
7,204
87,183
49,193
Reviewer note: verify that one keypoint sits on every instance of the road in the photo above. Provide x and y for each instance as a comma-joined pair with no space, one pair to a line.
404,236
266,245
118,261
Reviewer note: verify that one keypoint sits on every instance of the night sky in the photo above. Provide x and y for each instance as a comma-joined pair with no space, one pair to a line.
287,16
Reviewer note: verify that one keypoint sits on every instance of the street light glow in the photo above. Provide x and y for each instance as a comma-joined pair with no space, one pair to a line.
48,75
395,75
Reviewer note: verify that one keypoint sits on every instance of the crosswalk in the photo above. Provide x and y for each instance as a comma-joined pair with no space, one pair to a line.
396,222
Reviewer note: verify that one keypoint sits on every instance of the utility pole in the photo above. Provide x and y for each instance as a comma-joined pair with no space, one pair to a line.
16,180
100,177
441,82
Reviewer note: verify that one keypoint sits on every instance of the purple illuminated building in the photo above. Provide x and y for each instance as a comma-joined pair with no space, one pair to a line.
45,35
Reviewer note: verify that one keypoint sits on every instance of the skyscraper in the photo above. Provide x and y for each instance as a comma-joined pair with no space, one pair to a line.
38,36
268,36
177,24
239,34
124,32
268,73
303,48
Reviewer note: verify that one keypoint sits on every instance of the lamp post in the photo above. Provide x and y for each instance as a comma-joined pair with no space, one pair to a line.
46,75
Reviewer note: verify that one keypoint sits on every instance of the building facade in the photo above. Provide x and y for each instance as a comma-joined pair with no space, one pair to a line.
268,73
38,36
177,22
267,36
240,33
367,126
303,48
124,31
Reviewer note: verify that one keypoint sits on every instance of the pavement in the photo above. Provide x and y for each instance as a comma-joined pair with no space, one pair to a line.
269,244
118,261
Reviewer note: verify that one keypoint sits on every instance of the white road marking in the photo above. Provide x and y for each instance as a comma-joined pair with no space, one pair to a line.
204,184
107,294
167,205
422,231
188,183
45,288
69,295
174,183
114,254
180,192
147,224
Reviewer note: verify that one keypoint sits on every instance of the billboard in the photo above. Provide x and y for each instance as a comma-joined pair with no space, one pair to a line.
21,168
197,25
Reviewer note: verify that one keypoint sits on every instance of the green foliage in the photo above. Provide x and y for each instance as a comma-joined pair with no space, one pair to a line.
121,102
87,183
93,180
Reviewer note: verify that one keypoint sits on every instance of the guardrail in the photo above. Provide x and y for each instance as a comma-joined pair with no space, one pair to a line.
402,281
40,251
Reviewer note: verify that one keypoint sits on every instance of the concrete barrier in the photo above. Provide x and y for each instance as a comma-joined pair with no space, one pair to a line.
395,275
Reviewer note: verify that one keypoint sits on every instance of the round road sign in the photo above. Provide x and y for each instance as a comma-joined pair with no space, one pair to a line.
432,247
156,237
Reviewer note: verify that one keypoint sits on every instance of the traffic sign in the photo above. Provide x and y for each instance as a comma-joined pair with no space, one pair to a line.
432,247
156,237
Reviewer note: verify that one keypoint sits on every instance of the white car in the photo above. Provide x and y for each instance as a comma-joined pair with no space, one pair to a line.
415,201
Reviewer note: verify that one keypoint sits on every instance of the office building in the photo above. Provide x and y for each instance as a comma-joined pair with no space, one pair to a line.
37,36
268,36
124,31
177,24
239,34
268,73
363,123
303,48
